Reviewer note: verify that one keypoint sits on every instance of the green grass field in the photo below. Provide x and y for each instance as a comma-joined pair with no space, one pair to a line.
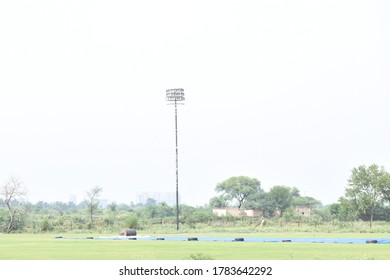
44,247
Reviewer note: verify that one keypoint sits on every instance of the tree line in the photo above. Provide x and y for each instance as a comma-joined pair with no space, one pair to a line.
246,193
367,197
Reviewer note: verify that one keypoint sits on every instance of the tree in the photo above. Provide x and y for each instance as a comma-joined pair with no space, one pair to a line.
220,201
113,206
280,197
150,202
369,188
10,192
258,201
347,210
306,201
92,202
239,188
334,209
164,211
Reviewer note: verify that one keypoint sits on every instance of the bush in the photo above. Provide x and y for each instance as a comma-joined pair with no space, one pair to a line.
315,220
200,256
131,221
3,220
108,220
45,225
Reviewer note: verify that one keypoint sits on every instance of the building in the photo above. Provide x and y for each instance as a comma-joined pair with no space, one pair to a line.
303,210
167,197
235,212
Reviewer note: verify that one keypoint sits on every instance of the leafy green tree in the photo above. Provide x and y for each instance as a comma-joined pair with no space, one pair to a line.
369,188
187,215
334,209
219,201
150,202
113,206
260,201
325,214
280,197
295,192
239,188
305,200
203,215
149,211
164,210
347,210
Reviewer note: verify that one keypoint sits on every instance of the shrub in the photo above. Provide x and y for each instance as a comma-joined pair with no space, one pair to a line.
315,220
131,221
45,225
200,256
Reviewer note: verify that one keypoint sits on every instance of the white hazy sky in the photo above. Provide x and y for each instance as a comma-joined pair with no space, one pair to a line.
292,93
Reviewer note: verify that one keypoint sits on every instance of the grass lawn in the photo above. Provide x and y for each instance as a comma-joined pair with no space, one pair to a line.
44,247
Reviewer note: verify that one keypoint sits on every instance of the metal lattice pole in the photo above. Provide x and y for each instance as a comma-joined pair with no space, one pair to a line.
175,95
177,171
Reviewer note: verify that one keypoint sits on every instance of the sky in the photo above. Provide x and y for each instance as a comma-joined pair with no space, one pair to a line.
292,93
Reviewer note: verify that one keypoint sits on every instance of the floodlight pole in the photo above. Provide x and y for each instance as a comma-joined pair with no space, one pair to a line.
176,95
177,171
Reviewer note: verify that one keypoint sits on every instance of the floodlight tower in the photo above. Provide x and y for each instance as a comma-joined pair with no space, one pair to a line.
176,97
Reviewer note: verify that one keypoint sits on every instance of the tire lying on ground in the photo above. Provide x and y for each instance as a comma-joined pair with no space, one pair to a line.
128,232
